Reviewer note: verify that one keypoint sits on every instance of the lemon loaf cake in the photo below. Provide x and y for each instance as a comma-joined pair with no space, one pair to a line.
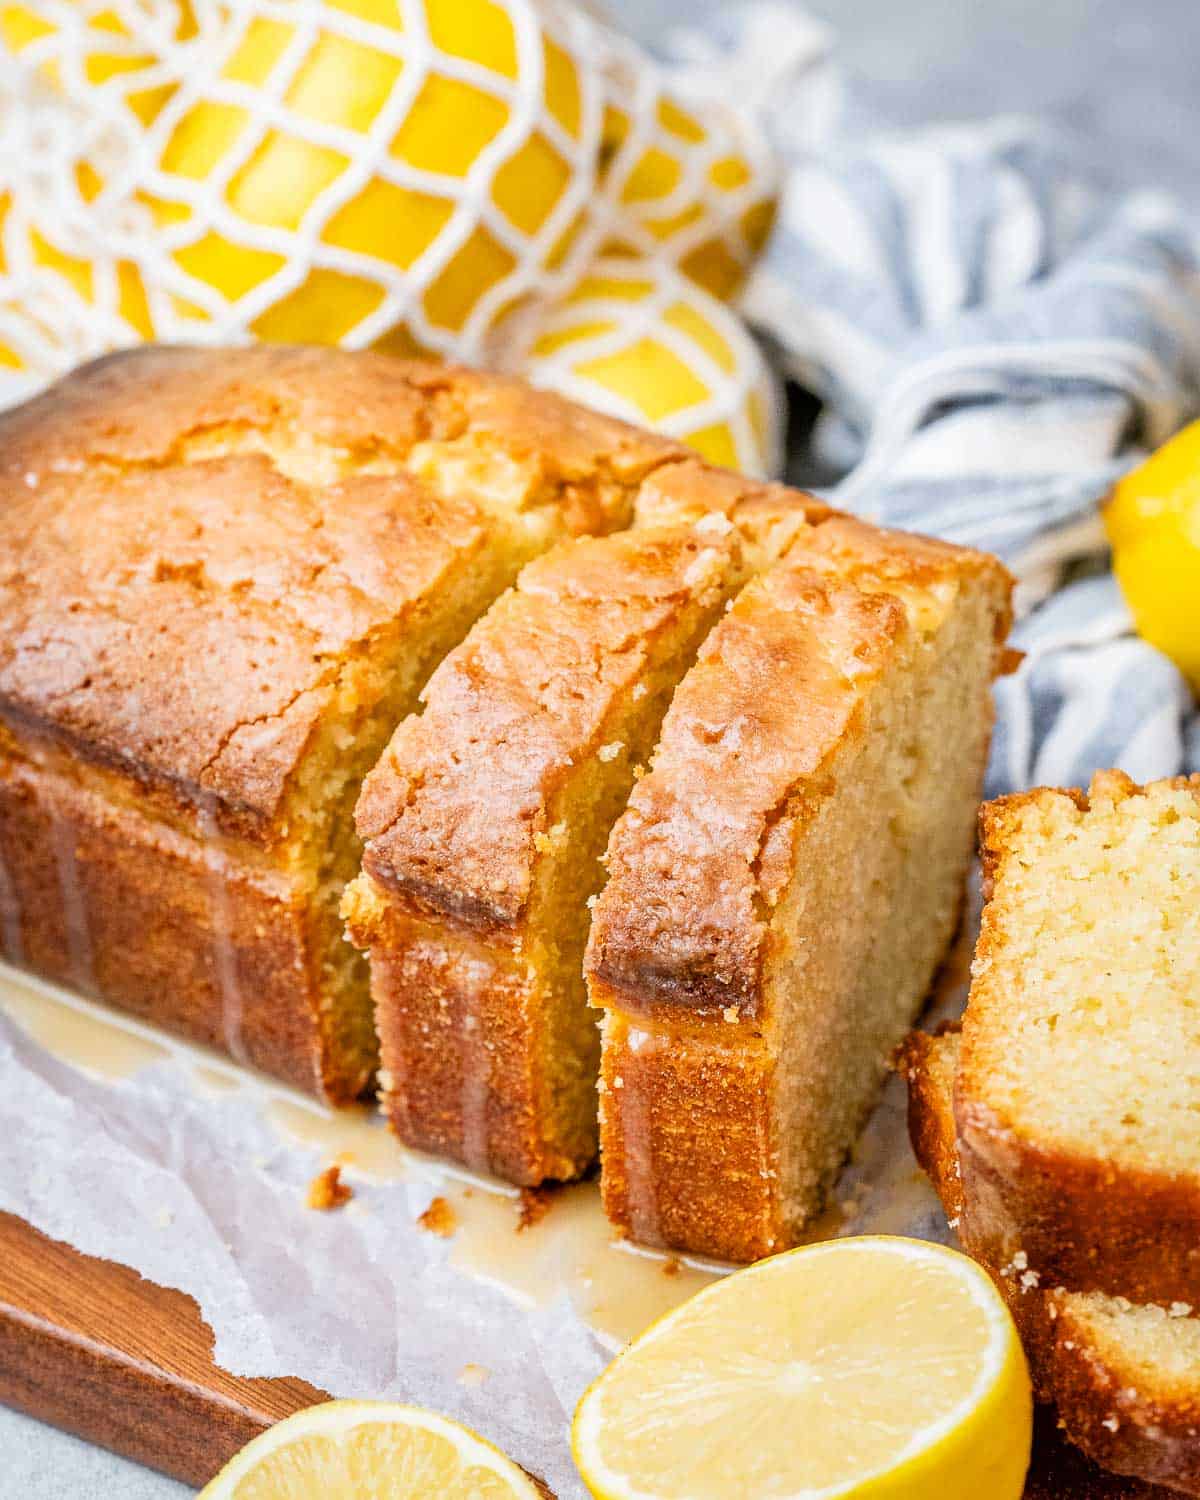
1078,1089
1124,1377
224,575
785,880
486,817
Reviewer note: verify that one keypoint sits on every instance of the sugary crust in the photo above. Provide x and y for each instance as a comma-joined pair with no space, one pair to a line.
687,1138
704,849
117,905
211,562
184,619
188,627
1109,1399
352,402
459,817
457,1025
767,517
456,809
1084,1222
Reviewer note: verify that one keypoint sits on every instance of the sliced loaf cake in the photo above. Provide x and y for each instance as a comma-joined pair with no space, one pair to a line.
1078,1091
786,879
224,575
485,819
1124,1378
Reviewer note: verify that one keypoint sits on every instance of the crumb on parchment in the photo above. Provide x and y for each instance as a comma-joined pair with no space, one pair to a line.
439,1218
327,1190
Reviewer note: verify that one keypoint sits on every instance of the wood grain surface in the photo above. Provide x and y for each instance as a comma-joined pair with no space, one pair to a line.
92,1347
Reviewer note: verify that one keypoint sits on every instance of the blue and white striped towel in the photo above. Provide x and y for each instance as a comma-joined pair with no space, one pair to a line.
996,337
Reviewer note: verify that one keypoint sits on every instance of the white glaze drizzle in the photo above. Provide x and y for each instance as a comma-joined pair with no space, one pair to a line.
224,954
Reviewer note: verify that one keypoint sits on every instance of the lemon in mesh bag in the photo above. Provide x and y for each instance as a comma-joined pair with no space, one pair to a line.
498,181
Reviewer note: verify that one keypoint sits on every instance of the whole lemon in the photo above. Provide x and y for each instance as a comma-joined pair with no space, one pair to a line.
1153,523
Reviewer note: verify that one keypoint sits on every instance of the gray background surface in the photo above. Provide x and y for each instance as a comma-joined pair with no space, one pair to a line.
1124,74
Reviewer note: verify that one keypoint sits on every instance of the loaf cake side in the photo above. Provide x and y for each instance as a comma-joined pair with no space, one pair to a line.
1124,1378
1079,1080
785,881
224,574
484,823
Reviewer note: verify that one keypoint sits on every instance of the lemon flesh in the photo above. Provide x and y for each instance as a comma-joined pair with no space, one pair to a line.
1153,523
363,1450
870,1367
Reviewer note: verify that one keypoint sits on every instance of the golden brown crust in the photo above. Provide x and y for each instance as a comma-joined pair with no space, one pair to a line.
357,403
454,812
459,817
1116,1409
1085,1222
187,626
687,1139
927,1064
768,517
211,562
183,619
1060,1471
697,861
682,937
113,903
457,1026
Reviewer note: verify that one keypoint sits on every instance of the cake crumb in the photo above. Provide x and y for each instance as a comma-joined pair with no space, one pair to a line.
473,1375
611,750
731,1013
535,1205
671,1266
327,1190
439,1218
163,1218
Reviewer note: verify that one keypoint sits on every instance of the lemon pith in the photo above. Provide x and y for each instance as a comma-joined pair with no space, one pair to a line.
873,1368
344,1450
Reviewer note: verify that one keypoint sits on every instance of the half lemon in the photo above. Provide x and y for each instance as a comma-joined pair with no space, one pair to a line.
349,1450
871,1367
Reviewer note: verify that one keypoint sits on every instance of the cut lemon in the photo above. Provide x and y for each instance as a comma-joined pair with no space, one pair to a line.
370,1450
1153,523
870,1367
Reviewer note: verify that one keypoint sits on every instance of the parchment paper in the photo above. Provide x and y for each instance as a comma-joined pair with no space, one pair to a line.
198,1190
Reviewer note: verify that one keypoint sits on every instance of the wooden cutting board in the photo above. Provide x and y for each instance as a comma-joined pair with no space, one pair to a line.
92,1347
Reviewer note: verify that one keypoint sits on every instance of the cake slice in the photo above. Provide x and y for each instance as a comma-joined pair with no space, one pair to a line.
785,880
485,819
1078,1093
224,575
1125,1378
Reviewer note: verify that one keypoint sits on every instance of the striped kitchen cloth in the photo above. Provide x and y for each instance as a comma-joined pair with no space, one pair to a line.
996,335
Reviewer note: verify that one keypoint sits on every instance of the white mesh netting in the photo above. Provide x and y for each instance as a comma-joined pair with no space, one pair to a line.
499,181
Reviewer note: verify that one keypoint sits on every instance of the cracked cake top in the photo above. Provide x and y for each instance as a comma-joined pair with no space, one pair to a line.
201,551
